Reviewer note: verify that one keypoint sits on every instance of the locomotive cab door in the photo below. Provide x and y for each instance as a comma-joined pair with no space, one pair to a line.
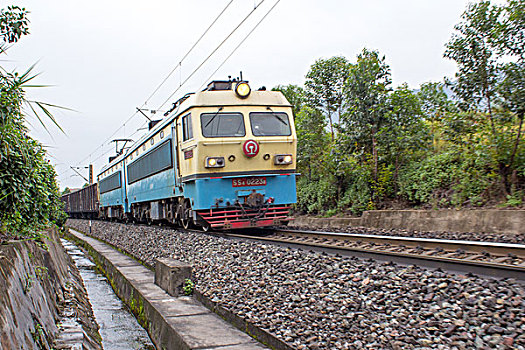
175,141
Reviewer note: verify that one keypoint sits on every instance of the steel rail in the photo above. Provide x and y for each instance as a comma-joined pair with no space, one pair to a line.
447,244
495,259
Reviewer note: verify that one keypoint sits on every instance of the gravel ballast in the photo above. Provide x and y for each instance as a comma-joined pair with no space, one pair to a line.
462,236
318,301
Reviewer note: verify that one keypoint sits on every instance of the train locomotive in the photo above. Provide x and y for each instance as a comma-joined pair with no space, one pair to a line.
222,158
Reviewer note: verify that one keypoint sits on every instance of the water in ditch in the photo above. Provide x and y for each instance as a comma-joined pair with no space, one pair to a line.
118,328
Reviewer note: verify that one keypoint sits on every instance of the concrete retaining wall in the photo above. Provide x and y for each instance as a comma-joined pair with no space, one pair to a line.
36,284
490,220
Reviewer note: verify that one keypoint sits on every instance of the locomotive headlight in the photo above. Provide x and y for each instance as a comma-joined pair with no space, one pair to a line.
214,162
283,159
242,89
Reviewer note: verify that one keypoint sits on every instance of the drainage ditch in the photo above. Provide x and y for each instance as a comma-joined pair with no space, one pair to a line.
118,328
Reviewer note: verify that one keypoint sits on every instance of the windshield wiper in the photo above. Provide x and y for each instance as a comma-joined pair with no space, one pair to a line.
276,116
216,113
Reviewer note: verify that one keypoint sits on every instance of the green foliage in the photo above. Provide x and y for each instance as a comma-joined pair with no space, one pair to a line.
188,287
312,140
452,178
39,336
315,195
13,23
488,47
472,47
325,87
29,197
28,284
363,145
41,272
404,135
294,94
358,190
515,199
366,91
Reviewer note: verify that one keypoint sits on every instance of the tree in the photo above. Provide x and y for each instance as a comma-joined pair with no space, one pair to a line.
294,94
312,140
510,40
366,92
325,85
487,38
472,47
436,107
13,24
404,134
29,198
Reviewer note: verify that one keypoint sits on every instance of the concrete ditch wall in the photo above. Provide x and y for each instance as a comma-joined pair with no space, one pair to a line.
490,220
37,288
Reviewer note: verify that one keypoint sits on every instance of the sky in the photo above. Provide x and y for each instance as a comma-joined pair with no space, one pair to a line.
103,59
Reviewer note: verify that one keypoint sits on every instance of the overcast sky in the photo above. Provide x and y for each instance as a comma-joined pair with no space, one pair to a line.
105,58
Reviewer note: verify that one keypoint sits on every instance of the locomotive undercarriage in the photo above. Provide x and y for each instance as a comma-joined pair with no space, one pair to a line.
254,212
114,212
245,217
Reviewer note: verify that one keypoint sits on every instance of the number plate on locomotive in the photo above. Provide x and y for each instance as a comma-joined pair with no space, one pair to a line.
249,181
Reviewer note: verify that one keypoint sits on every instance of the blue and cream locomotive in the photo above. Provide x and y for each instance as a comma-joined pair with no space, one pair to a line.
222,158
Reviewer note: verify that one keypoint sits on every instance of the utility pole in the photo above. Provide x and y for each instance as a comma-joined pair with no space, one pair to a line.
90,174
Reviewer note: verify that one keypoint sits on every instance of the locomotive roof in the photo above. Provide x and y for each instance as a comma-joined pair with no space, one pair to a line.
208,98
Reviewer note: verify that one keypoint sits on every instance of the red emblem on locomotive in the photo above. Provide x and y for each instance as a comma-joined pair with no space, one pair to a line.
250,148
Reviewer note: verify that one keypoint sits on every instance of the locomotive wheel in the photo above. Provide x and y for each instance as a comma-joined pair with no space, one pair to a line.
185,218
185,223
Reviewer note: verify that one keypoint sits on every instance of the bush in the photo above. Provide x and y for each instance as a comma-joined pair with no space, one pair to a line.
316,195
451,178
357,196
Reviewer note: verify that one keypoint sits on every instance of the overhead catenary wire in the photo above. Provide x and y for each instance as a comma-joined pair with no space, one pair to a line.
187,53
160,85
193,72
111,149
239,45
212,53
109,138
65,172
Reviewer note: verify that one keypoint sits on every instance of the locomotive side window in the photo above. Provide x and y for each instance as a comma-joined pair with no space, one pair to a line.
270,124
110,183
152,163
222,125
187,128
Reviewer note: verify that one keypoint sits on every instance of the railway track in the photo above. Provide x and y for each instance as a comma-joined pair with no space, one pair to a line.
486,258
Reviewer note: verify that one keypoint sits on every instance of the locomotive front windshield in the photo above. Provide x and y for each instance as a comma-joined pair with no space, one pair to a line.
222,125
270,124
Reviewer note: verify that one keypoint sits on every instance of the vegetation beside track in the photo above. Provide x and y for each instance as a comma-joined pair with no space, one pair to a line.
29,197
364,145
